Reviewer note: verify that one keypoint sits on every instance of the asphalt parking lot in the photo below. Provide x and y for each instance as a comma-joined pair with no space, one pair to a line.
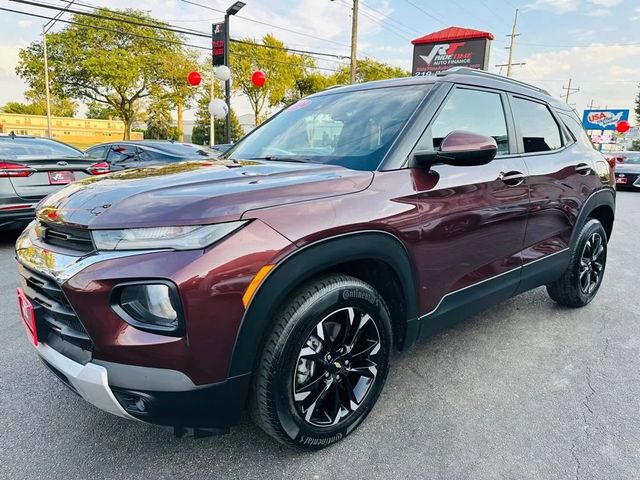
525,390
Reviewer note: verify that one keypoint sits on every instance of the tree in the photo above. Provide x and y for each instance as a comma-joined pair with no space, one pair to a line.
307,84
102,60
99,111
174,69
637,108
280,67
37,105
159,122
201,129
368,70
635,145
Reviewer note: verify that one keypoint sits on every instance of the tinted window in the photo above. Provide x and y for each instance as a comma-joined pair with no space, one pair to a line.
539,130
97,152
122,153
473,111
15,147
353,129
183,150
631,158
576,129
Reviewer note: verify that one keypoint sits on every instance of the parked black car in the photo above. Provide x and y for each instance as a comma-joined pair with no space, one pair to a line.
628,170
144,153
31,168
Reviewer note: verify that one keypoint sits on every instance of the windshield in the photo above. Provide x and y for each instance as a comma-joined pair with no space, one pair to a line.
351,129
632,158
16,147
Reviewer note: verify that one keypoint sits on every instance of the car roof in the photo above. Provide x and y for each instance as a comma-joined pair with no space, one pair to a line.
458,75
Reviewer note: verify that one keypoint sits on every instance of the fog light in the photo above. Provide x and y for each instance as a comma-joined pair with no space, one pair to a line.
149,306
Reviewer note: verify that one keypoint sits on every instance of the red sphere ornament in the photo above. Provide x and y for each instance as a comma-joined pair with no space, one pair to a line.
258,78
194,79
622,126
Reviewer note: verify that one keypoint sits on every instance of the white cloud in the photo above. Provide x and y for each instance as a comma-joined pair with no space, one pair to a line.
606,3
637,16
606,74
558,6
24,23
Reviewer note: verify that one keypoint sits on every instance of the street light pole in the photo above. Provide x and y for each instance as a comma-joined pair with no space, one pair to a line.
45,28
46,82
212,120
232,10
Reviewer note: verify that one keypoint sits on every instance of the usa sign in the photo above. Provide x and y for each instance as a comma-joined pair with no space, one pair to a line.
603,119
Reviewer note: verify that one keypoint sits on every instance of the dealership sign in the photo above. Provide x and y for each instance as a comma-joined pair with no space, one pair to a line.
217,44
451,47
603,119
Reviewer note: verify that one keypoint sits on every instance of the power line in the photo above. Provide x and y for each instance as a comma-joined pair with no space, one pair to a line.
146,37
169,28
391,19
377,21
266,24
418,7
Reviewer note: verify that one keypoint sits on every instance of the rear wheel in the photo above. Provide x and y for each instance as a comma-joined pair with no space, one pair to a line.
583,277
324,364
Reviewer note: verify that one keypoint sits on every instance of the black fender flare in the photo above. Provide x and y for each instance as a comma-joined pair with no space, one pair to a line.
604,197
303,264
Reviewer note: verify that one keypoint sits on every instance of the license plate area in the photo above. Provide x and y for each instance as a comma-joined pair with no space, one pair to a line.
621,180
61,177
28,316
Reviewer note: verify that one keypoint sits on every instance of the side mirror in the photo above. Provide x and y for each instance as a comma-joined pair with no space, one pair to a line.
460,149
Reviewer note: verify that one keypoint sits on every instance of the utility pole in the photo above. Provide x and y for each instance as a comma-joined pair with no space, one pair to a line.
354,41
511,46
569,91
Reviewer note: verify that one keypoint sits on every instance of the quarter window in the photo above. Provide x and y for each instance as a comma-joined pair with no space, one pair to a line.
475,111
539,130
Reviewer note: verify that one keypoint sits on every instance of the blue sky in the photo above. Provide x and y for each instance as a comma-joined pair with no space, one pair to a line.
595,42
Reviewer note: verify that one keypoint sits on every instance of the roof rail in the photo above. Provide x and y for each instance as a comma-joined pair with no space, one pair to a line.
483,73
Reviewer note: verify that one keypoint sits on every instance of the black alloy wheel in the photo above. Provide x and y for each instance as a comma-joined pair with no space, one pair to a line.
582,278
336,367
324,363
592,263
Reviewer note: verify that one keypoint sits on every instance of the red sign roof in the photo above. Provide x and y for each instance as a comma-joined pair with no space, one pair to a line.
453,33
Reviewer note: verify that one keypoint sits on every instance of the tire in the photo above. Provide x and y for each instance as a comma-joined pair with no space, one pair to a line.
294,370
581,280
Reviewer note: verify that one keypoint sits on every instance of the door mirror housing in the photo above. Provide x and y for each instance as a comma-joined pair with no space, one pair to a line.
460,149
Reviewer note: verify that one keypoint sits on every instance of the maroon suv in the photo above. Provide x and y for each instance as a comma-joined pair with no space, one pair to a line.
280,277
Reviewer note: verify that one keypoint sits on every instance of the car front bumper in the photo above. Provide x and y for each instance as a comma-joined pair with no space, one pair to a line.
150,394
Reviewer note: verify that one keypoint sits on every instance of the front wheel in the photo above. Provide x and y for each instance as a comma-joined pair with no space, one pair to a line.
324,364
582,279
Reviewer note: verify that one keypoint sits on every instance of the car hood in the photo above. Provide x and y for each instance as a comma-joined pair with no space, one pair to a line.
191,193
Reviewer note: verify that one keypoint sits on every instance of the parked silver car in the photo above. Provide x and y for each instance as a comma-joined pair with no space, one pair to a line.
31,168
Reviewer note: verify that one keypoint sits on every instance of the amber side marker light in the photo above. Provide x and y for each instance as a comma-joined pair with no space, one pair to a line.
255,283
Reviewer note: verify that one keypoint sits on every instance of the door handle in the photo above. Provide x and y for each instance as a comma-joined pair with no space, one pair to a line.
583,169
513,179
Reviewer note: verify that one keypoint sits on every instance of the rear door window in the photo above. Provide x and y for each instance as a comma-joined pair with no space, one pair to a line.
576,129
538,127
122,153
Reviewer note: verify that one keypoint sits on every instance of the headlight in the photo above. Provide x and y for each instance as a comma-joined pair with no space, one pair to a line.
175,238
149,305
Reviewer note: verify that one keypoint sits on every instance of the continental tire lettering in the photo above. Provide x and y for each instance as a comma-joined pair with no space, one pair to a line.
321,441
348,294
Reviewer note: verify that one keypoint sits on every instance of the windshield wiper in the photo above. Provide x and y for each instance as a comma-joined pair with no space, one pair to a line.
276,158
